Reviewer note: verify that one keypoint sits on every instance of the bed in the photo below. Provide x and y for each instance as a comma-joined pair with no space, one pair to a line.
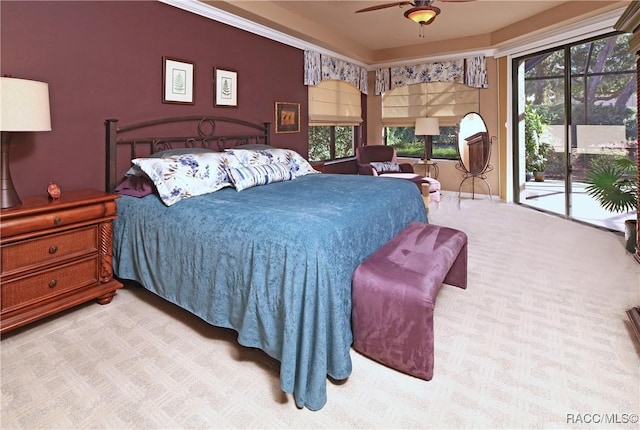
273,262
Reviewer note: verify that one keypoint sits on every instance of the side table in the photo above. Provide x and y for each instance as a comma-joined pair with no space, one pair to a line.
431,169
56,254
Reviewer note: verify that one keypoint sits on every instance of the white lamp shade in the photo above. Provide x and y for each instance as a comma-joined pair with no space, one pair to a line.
24,105
427,127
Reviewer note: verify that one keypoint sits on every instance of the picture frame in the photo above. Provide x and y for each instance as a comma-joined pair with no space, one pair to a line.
225,87
287,117
178,80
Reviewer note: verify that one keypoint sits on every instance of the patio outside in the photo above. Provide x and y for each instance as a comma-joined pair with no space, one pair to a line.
550,196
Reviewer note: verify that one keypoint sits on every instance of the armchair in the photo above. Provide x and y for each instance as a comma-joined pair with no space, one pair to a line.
365,155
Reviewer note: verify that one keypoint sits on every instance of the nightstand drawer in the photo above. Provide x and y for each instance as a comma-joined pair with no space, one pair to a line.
55,254
12,226
49,249
49,283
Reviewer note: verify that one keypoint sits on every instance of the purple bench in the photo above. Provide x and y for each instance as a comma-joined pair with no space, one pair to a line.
394,295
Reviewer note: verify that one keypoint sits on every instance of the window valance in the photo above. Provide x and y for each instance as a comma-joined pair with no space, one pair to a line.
318,68
468,71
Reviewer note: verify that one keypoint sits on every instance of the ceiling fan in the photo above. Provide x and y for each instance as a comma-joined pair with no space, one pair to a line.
422,11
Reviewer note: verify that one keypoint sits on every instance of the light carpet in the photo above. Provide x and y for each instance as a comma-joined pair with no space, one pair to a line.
539,339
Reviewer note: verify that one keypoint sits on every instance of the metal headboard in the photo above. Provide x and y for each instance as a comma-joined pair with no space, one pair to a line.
141,141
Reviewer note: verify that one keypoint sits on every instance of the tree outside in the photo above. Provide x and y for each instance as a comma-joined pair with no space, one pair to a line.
602,93
330,142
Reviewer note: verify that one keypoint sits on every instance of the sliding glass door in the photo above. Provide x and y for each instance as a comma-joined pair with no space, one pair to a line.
576,110
543,117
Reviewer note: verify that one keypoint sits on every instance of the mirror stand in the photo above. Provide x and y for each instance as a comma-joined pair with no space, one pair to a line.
474,152
476,170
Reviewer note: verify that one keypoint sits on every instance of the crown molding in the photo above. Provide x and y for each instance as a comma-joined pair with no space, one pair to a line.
630,19
566,34
227,18
591,27
629,22
224,17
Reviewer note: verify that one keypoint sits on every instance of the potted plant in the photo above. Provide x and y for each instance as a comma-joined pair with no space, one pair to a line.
535,150
538,165
614,185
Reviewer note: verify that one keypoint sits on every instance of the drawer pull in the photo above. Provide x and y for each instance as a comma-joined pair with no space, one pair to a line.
53,283
57,220
53,249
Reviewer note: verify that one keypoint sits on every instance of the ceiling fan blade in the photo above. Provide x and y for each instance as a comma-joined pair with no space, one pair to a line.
384,6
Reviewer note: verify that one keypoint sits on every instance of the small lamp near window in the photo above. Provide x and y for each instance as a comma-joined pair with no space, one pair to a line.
24,106
427,127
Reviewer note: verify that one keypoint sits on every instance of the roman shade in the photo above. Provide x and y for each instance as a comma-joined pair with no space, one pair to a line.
447,101
334,103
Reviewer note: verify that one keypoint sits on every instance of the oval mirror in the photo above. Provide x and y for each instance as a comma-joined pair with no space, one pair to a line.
474,145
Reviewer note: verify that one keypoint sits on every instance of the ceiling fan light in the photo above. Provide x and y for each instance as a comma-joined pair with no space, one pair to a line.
423,15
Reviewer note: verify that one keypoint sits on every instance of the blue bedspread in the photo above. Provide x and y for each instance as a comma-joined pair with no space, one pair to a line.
274,263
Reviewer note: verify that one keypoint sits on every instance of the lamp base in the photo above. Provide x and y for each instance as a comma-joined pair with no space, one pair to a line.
8,195
428,147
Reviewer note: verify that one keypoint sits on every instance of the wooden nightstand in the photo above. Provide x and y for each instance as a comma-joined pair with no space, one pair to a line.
56,254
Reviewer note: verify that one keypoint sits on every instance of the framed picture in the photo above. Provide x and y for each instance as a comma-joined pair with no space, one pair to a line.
287,117
178,81
226,87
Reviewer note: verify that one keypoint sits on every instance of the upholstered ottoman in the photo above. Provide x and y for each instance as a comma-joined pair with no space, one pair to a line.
434,184
434,189
394,295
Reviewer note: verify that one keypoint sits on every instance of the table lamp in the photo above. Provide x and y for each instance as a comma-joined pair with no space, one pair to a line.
24,106
427,127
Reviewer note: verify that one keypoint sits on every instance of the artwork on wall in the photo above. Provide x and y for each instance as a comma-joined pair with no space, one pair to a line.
287,117
178,77
225,87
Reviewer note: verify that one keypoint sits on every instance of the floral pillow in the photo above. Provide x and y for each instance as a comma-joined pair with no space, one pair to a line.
135,170
179,177
298,165
252,176
385,166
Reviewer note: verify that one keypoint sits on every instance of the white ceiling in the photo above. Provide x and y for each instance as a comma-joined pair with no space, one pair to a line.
382,35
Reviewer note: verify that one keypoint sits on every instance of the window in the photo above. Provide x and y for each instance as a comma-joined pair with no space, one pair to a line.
334,114
409,145
404,141
329,142
447,101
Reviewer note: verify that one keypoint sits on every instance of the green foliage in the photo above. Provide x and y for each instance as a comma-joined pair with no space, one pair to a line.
409,149
343,141
614,185
538,161
320,142
535,150
445,152
407,144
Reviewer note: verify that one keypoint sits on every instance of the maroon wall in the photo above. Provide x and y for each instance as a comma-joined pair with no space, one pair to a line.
104,60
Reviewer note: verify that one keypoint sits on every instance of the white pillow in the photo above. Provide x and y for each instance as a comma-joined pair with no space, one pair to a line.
179,177
298,165
385,166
